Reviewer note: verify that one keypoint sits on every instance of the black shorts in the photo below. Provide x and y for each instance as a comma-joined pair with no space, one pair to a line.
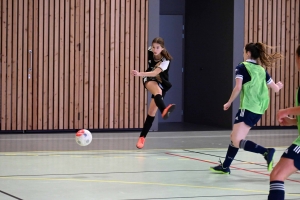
247,117
293,152
147,79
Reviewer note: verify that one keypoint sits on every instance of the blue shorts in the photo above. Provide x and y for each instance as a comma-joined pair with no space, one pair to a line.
247,117
293,152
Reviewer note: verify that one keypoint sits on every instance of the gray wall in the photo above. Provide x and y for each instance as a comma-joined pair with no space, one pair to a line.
238,44
210,57
163,7
153,32
214,32
172,7
171,23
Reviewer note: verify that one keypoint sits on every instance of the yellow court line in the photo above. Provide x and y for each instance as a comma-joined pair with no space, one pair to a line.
144,183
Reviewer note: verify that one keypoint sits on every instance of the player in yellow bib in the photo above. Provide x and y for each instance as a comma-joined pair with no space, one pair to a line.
252,81
289,162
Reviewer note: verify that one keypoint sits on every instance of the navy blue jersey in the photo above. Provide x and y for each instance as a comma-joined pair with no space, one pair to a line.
242,73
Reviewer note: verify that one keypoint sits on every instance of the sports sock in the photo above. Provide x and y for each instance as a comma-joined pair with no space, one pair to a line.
276,190
147,125
248,145
159,102
231,153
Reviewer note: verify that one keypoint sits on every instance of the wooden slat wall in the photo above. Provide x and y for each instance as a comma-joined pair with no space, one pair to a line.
276,23
82,55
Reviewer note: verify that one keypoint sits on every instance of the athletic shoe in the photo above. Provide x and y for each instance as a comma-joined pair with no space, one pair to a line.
141,142
220,169
166,113
269,158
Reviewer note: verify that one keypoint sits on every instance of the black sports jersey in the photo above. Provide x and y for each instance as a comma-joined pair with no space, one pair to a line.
242,73
163,76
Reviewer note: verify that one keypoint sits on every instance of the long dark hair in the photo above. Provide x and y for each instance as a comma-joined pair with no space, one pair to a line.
164,52
298,50
259,51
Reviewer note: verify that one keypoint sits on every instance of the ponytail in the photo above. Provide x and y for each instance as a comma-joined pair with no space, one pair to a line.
166,54
259,50
298,51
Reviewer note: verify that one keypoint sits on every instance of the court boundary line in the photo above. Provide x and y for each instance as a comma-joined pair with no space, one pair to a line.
10,195
238,168
143,183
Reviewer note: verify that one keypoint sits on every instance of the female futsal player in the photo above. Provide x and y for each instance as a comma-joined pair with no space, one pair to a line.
156,80
252,80
289,162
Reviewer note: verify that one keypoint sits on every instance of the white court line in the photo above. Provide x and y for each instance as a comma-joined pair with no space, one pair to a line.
163,137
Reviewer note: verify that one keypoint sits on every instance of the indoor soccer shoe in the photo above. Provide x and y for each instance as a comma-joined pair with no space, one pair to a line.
220,169
269,158
166,113
141,142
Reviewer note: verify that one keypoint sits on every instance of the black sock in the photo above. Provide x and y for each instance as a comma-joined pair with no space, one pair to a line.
159,102
147,125
231,153
248,145
276,190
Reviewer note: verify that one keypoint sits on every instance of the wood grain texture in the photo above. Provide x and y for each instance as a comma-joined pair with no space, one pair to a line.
82,54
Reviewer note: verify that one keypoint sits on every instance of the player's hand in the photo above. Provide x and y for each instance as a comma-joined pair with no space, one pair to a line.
227,106
135,73
279,84
287,121
281,114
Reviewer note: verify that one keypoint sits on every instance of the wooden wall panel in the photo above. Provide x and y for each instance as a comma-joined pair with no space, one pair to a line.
71,83
96,82
3,65
25,66
9,65
276,23
14,66
36,69
66,64
20,67
61,63
41,67
122,64
45,66
116,65
102,65
90,104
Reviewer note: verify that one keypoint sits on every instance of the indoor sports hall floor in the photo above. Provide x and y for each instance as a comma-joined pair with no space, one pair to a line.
173,165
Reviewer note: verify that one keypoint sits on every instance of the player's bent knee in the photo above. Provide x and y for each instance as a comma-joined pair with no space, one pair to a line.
158,92
276,175
235,142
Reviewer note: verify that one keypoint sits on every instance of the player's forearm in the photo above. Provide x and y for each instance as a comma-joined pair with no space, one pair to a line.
292,111
234,94
149,74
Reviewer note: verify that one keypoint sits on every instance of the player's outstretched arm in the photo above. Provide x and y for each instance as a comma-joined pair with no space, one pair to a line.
149,74
276,87
282,114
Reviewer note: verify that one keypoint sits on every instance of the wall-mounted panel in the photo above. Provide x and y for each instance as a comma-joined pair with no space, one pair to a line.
66,64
